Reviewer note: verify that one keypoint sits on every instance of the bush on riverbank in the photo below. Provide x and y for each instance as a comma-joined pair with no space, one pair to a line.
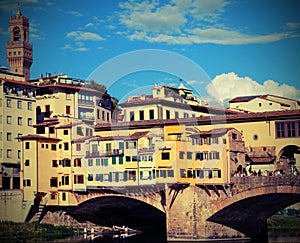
34,231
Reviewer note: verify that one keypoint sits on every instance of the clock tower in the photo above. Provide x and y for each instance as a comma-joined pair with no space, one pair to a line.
18,49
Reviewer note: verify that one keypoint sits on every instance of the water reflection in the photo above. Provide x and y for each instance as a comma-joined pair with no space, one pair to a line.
152,238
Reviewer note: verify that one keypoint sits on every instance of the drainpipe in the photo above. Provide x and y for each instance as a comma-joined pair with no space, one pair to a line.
37,167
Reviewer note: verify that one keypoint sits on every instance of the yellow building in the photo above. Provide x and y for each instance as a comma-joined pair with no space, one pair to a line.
17,115
263,103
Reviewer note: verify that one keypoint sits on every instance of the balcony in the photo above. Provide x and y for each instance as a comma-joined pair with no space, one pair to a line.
104,153
149,149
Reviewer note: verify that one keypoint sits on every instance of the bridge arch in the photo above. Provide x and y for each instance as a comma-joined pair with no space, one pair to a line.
249,210
288,156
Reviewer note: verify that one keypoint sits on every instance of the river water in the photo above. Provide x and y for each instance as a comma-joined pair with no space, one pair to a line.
161,239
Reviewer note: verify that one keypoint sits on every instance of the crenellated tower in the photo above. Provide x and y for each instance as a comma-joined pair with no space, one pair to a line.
18,49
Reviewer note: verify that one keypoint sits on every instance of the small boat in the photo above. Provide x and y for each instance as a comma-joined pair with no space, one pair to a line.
120,232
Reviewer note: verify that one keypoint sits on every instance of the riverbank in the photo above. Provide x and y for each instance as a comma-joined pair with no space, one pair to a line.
284,225
34,232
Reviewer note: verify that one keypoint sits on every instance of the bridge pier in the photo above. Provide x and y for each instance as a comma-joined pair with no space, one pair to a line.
187,218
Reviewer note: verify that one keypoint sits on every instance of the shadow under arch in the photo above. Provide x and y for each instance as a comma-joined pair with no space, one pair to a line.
120,210
249,215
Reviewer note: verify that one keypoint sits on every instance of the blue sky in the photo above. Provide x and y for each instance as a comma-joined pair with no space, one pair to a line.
242,47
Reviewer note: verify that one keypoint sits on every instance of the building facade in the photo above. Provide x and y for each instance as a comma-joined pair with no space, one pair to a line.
166,103
17,115
263,103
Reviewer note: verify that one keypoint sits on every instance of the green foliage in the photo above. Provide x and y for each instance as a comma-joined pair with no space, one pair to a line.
36,231
92,84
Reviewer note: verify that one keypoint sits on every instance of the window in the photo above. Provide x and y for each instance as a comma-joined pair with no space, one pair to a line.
8,103
90,162
65,163
77,162
26,182
65,180
103,115
189,155
27,162
64,196
176,114
165,155
78,179
131,115
128,158
141,115
8,136
120,160
20,121
53,146
167,114
78,147
8,119
19,104
151,114
51,130
79,131
29,122
53,182
107,116
90,177
113,160
199,156
66,132
291,130
27,145
181,154
260,104
54,163
234,136
66,146
29,106
19,154
68,109
131,145
185,115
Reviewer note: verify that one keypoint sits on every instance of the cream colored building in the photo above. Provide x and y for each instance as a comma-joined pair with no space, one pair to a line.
263,103
60,95
166,103
17,115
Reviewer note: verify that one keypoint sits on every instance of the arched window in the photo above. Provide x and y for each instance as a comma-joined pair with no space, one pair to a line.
17,34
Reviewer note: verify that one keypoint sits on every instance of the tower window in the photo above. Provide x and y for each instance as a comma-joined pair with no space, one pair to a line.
17,34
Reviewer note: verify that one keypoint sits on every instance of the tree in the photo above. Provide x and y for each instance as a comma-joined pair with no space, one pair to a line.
92,84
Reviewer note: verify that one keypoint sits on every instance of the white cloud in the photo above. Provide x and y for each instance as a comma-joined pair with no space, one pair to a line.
186,22
227,86
88,25
81,49
293,25
75,13
83,36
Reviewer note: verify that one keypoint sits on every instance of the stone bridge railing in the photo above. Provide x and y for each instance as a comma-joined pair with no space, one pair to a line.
240,184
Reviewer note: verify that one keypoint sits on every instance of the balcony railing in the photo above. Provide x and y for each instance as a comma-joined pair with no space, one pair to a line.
104,153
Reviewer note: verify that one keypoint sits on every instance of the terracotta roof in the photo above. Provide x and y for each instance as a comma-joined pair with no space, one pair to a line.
46,124
246,98
212,132
137,135
38,137
111,138
18,82
205,120
82,139
69,86
262,160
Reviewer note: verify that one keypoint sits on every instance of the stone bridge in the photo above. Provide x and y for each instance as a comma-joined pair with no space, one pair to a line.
239,209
